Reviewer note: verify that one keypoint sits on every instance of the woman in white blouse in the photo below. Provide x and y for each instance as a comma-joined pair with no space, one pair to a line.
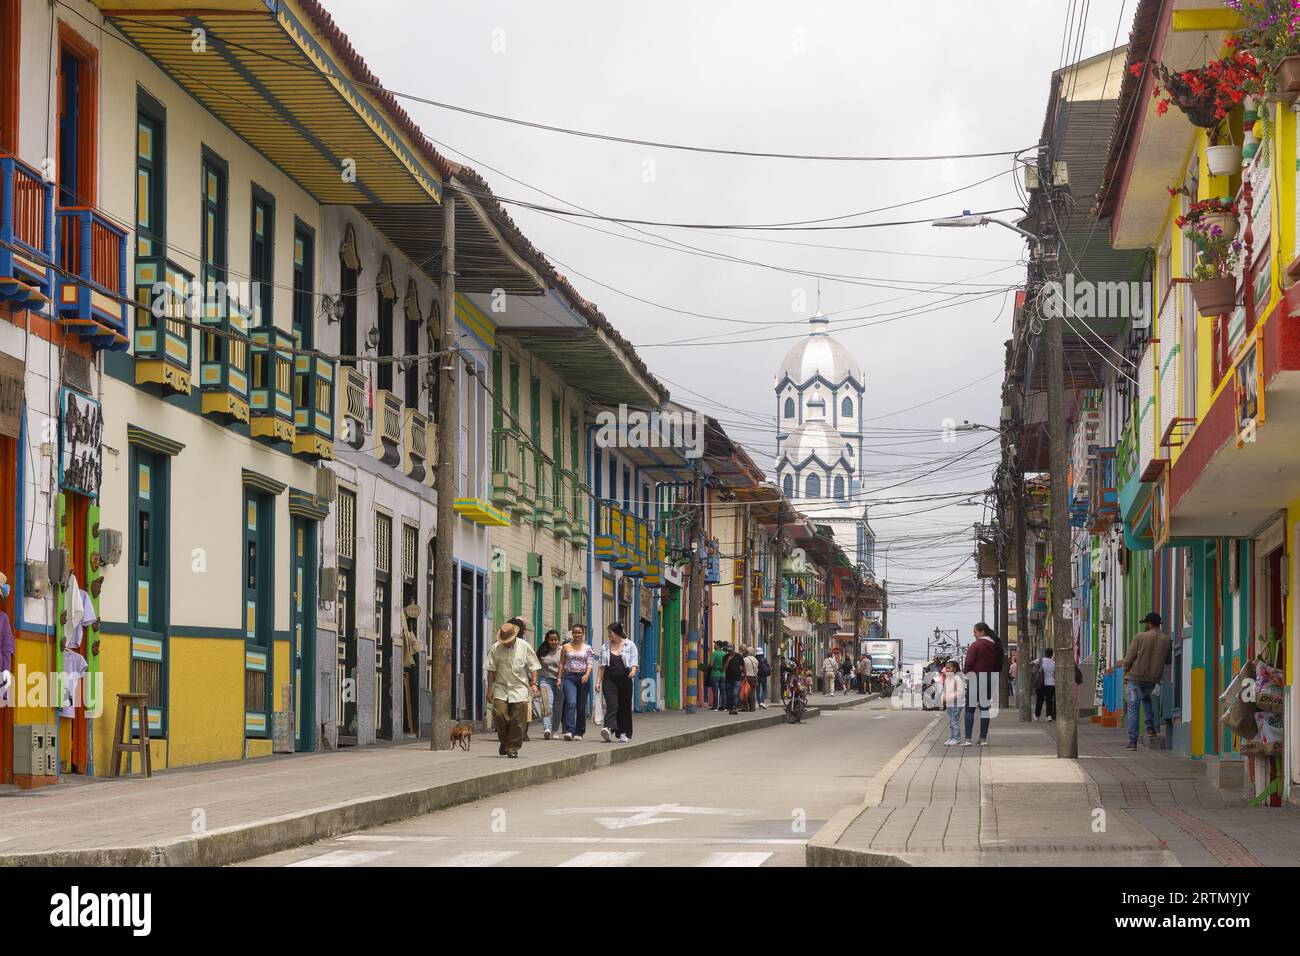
616,679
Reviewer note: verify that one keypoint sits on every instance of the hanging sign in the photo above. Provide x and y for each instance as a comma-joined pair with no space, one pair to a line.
81,435
12,374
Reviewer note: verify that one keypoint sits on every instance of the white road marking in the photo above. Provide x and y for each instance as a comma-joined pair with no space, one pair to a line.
710,841
645,816
345,858
734,859
602,859
479,858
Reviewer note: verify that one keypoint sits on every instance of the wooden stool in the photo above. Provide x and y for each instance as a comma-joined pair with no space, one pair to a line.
122,745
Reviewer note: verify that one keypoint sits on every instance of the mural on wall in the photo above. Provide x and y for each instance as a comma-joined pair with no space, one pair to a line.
81,451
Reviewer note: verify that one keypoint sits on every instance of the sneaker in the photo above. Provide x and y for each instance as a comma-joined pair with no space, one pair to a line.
502,750
1151,732
966,743
984,743
568,736
577,736
624,739
513,753
1051,720
546,735
951,743
763,706
733,712
1132,746
604,734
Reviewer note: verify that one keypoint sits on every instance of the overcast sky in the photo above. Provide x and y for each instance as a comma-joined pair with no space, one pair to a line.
845,78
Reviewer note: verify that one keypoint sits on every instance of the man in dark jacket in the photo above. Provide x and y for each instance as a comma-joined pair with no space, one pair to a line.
983,665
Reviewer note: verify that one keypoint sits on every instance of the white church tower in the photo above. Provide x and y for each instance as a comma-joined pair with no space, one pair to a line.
819,443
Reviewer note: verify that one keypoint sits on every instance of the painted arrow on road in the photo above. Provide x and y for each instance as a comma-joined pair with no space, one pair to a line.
648,815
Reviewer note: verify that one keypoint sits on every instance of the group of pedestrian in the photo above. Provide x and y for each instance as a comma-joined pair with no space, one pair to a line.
972,689
738,678
552,680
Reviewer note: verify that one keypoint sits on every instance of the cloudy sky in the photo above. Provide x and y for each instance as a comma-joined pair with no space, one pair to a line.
873,78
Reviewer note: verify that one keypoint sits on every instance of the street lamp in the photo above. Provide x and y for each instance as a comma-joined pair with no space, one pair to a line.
967,220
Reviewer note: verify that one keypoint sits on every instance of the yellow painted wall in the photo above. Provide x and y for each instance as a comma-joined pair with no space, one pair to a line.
32,658
206,700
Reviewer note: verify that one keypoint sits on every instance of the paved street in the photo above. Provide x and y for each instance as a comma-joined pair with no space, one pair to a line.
693,807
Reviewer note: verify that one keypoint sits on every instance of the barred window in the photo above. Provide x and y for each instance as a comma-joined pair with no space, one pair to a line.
383,542
347,523
410,550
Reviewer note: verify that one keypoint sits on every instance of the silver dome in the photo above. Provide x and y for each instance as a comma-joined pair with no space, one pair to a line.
819,354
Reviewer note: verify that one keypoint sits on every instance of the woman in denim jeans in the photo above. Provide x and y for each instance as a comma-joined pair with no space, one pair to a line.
576,659
548,652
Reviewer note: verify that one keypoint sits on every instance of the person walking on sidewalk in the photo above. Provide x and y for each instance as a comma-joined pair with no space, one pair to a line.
764,674
1045,685
733,667
576,661
983,667
953,694
512,667
717,676
751,679
617,676
547,703
829,670
1144,667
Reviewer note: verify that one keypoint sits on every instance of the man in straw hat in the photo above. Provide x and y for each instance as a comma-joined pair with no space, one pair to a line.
512,667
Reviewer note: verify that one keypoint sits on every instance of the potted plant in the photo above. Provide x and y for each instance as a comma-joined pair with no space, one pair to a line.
1209,93
1223,158
1216,217
1214,283
1272,36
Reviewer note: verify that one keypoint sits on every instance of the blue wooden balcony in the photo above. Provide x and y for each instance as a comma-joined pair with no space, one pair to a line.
270,398
92,294
223,366
26,235
162,338
313,406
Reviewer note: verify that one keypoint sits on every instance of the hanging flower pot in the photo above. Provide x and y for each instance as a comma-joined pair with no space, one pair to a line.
1286,78
1223,160
1226,223
1205,94
1215,296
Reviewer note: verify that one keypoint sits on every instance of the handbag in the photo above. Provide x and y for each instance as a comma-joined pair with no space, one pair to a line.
746,690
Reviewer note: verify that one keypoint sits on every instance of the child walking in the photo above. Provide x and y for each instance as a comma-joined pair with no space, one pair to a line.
954,700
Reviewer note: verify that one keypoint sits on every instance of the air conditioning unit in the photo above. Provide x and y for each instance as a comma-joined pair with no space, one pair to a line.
329,583
36,579
110,546
59,565
327,484
534,564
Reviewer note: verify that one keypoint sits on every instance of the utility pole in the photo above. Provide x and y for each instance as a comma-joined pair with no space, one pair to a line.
1024,652
695,598
1067,710
778,618
746,592
445,484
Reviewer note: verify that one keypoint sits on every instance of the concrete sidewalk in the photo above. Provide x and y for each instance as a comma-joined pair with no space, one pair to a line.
222,813
1014,803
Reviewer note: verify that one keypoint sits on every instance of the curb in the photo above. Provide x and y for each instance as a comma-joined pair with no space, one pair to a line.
821,849
247,841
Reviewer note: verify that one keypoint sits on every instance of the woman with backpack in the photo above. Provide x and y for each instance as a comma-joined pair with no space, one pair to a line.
764,675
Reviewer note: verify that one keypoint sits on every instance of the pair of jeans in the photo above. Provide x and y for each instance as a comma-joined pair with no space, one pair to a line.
1138,692
550,691
954,723
719,685
575,705
984,721
1046,695
762,691
733,695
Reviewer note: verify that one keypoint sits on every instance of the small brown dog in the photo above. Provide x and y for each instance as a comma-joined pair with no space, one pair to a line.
461,734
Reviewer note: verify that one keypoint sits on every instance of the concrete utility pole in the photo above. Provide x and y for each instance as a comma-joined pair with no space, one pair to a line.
1067,710
695,597
445,484
778,619
1024,648
746,592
